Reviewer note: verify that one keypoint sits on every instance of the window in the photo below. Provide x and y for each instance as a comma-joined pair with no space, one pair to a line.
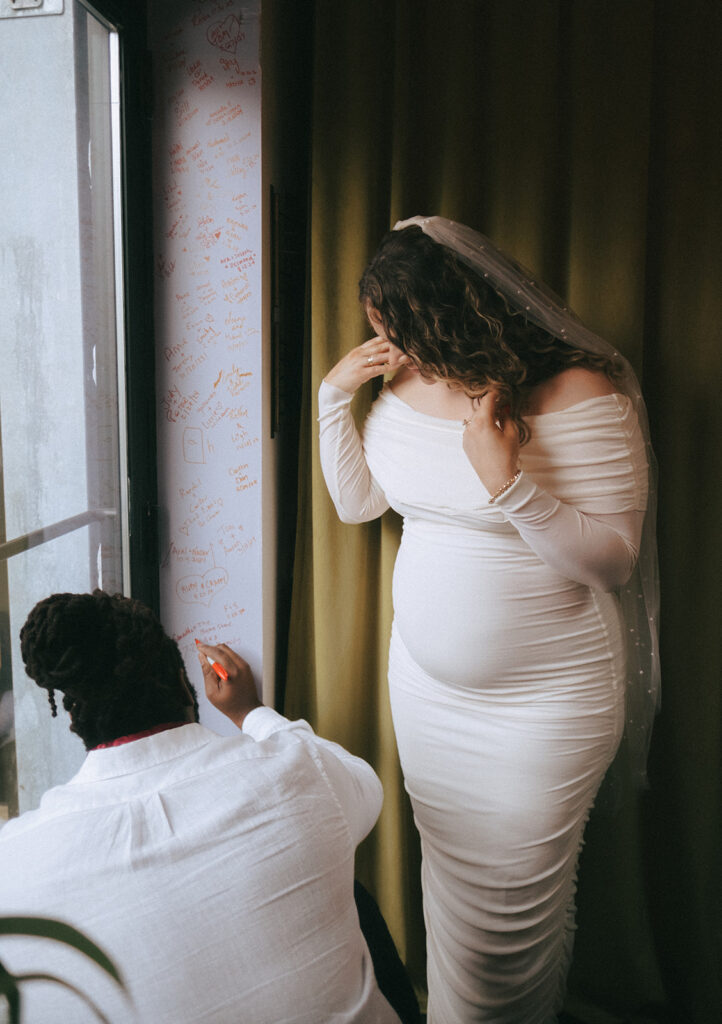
64,462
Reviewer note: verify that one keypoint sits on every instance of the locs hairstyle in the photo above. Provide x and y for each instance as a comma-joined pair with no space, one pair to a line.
118,670
456,327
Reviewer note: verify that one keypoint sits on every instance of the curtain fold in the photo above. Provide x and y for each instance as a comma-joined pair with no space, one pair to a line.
580,136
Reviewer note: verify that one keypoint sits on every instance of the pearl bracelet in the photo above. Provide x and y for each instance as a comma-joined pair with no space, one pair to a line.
505,487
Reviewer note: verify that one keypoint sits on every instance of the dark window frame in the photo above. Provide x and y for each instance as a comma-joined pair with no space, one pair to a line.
129,18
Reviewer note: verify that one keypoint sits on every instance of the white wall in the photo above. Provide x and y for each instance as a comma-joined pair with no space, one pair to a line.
212,414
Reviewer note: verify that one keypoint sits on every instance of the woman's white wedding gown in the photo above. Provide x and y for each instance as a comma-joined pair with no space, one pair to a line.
506,674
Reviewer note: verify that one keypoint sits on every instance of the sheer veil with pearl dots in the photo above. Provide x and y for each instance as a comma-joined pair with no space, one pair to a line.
639,597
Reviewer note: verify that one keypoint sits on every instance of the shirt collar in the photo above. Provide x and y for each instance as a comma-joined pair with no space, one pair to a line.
147,752
132,737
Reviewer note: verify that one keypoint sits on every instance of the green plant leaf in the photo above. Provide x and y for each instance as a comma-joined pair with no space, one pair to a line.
47,928
66,984
9,989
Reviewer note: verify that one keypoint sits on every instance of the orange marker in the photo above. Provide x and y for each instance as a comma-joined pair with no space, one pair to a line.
216,666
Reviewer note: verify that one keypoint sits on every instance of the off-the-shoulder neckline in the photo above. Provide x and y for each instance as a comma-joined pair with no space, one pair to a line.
615,395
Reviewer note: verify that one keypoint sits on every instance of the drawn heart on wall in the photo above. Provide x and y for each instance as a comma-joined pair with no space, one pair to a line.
225,34
196,589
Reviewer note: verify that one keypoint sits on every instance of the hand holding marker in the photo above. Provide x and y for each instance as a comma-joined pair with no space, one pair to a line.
216,666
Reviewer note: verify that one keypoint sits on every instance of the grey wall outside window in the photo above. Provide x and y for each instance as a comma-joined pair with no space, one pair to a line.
63,515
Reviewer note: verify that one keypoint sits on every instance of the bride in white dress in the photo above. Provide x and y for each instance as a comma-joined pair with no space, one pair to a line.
518,462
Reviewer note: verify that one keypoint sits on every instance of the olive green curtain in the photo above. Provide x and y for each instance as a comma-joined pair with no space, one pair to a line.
582,136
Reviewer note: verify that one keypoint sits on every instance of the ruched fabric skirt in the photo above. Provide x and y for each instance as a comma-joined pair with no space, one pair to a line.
507,696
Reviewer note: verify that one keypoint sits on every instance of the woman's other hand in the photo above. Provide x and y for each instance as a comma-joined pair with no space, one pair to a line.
491,442
372,359
236,695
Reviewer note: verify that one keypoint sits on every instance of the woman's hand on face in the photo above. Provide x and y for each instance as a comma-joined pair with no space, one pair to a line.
372,359
491,442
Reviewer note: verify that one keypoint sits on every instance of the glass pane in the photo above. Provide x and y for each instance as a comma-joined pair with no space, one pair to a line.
62,458
46,752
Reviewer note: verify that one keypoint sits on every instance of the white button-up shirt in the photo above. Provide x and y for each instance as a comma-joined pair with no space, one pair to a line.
217,873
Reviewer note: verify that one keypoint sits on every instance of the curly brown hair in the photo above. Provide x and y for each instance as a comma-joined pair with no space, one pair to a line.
118,670
455,327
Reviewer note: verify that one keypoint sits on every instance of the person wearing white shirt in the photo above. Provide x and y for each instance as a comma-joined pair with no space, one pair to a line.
216,872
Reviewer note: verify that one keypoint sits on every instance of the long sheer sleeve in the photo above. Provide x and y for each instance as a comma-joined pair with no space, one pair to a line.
357,496
597,550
